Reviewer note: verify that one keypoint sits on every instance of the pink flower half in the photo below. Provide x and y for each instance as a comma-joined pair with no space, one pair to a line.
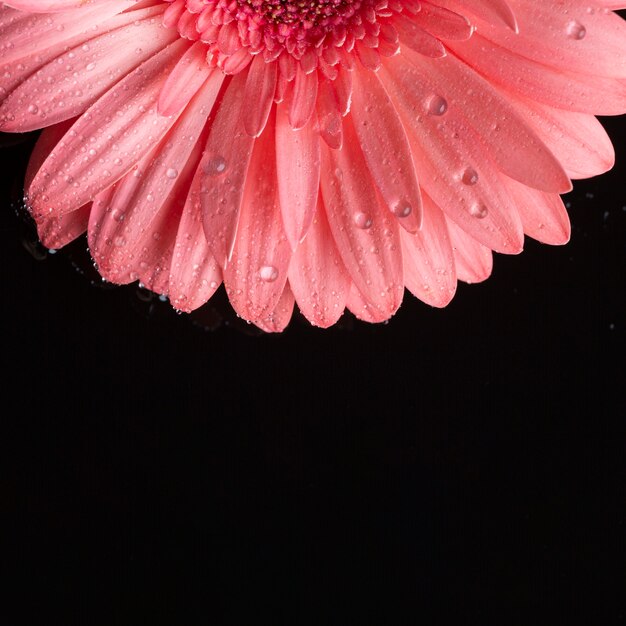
328,153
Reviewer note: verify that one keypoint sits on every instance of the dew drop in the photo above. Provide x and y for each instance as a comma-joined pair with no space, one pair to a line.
215,165
171,173
362,220
268,273
575,30
33,109
470,176
437,105
479,210
402,208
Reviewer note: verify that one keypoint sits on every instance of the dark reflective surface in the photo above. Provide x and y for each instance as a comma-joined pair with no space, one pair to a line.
464,463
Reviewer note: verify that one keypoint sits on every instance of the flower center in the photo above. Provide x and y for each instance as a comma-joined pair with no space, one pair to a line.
307,14
314,32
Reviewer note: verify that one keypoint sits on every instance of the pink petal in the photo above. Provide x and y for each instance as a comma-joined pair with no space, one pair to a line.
588,42
543,214
21,67
55,232
595,94
343,90
416,38
496,12
195,275
189,74
366,234
329,116
298,169
473,261
369,57
577,140
46,142
30,33
49,6
442,23
52,94
107,141
456,171
280,317
361,308
510,141
129,222
317,275
256,276
429,271
236,62
228,40
386,149
303,98
219,183
151,257
260,88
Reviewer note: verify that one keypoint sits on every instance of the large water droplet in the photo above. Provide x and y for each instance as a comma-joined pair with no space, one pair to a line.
479,210
215,165
402,208
575,30
437,105
362,220
470,176
268,273
171,173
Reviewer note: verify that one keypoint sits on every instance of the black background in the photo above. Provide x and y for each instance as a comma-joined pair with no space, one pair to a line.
462,464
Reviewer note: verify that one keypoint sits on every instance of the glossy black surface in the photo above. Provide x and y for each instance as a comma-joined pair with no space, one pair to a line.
464,463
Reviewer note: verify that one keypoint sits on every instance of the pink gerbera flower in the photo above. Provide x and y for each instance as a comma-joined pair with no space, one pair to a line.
331,152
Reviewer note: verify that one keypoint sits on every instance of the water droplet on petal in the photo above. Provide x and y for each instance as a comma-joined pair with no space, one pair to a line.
437,105
215,165
470,176
402,208
362,220
268,273
575,30
479,210
171,173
